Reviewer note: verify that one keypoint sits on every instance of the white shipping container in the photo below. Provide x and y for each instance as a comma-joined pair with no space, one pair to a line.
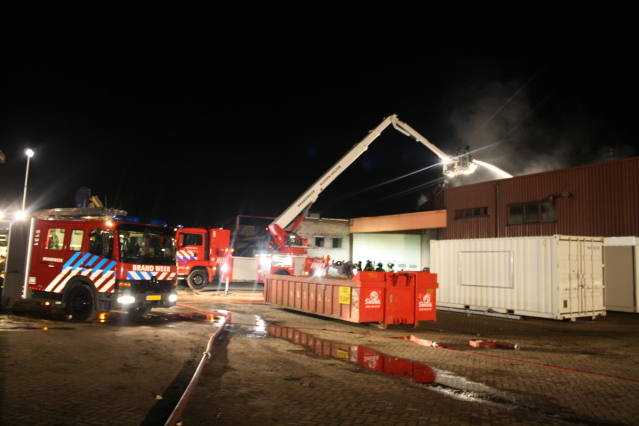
549,277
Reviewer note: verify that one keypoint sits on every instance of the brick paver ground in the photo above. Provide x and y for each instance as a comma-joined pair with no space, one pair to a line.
584,372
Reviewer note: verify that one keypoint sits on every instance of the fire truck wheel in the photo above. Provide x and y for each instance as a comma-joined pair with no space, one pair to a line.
197,280
138,312
282,272
80,304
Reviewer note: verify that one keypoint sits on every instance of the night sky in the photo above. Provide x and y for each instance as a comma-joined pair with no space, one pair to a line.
194,114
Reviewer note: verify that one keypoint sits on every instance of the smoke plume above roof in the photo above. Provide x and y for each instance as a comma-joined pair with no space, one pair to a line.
504,126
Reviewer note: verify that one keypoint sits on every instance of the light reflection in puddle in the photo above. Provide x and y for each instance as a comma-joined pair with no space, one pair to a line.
361,355
247,325
441,381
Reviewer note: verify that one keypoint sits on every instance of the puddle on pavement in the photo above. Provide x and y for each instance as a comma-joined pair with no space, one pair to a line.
441,381
368,358
248,325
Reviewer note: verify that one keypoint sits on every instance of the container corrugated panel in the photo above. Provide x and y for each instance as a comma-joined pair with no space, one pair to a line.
599,199
550,277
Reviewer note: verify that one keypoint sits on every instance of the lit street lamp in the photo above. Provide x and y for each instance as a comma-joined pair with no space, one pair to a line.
29,153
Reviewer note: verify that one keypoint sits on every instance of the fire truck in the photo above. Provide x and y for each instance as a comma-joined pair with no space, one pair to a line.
201,255
90,260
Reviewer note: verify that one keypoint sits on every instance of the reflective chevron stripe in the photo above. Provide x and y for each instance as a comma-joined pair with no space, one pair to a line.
184,256
102,274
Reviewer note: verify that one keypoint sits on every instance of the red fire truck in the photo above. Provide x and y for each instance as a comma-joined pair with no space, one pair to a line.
202,255
90,260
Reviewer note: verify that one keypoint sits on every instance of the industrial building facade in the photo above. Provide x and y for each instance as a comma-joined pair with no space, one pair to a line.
595,200
598,200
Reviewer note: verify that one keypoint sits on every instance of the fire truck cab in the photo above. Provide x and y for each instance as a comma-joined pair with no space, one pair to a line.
90,260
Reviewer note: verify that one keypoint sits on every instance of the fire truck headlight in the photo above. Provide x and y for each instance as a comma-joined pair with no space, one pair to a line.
225,268
173,298
124,300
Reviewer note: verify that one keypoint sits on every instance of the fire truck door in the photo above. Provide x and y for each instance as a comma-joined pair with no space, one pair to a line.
47,262
191,246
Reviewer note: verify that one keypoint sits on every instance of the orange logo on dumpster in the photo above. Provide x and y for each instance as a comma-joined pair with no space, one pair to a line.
373,301
426,303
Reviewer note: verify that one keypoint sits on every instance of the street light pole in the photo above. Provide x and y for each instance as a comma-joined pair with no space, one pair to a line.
29,153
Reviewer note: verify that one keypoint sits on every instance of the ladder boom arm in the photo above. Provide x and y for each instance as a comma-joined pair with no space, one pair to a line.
310,196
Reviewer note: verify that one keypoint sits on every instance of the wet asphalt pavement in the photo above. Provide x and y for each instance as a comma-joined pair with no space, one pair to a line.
275,366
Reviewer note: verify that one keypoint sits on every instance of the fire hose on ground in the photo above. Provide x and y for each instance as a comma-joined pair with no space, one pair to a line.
206,356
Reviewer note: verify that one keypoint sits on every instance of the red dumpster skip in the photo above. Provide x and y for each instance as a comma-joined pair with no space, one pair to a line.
383,297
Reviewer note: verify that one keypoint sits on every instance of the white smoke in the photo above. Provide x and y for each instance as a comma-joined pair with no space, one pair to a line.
501,127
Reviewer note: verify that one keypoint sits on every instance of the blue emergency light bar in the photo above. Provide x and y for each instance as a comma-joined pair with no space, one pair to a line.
138,220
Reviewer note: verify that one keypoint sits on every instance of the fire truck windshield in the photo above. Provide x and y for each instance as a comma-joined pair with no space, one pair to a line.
146,244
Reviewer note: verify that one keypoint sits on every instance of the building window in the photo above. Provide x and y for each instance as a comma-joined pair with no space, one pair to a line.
474,212
548,213
337,243
540,211
319,241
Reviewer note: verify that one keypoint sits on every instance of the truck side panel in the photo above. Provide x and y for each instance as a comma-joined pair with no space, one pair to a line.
15,285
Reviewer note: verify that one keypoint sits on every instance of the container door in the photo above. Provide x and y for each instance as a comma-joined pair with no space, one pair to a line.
591,285
568,264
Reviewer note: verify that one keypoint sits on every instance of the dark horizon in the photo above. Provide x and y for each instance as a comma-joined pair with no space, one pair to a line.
195,114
